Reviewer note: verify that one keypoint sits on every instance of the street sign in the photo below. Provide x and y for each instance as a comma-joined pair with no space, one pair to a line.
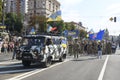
111,19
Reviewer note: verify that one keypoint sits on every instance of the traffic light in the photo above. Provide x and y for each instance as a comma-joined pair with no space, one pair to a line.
114,19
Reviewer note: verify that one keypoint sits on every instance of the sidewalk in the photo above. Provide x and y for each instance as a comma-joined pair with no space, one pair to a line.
5,57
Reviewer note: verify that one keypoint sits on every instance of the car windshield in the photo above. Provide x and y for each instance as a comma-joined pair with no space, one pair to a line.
34,41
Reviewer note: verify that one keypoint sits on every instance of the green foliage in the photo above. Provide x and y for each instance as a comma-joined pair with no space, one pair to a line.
82,34
40,20
18,24
69,26
14,22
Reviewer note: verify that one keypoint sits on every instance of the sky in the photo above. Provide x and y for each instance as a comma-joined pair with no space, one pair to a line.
94,14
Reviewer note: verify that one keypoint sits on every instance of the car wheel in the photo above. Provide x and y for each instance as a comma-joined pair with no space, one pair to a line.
47,63
26,63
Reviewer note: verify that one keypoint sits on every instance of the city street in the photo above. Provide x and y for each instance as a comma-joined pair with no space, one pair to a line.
84,68
59,40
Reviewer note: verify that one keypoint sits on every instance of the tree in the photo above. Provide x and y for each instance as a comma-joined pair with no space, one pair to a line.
14,22
82,34
69,26
18,23
10,21
40,21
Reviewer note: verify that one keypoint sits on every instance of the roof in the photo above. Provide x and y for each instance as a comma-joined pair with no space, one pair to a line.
41,36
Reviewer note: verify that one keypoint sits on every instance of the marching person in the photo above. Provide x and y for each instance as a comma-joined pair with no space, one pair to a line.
113,47
15,50
99,50
76,48
70,48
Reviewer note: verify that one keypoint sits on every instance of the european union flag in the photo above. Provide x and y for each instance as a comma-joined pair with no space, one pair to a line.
97,36
100,35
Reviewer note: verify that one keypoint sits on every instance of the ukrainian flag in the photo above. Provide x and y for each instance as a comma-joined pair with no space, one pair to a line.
64,43
32,31
55,16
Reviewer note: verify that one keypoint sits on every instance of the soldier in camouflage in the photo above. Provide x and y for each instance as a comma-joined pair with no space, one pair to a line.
70,48
76,48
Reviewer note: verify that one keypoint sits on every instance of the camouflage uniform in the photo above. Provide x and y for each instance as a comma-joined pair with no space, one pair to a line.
85,47
108,48
94,48
71,48
76,49
81,48
89,48
103,47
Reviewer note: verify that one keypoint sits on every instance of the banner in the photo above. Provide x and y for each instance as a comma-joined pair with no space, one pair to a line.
73,33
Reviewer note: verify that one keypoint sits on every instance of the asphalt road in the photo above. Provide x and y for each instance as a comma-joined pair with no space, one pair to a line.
84,68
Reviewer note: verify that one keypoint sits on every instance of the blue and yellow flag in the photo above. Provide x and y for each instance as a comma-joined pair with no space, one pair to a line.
32,31
55,16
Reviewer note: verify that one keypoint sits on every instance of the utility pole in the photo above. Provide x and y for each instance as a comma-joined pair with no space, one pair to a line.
3,12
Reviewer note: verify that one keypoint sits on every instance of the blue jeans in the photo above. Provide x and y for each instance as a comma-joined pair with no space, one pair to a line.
14,53
5,50
100,54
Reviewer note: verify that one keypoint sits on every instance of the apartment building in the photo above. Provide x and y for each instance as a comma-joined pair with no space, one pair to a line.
79,25
16,6
10,6
42,7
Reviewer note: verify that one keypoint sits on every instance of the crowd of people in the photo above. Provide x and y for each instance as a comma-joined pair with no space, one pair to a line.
77,47
8,46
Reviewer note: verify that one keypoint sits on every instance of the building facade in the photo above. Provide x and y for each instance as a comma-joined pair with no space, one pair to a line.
42,7
16,6
79,26
10,6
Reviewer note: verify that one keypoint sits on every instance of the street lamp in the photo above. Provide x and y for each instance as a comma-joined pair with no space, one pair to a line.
3,12
25,27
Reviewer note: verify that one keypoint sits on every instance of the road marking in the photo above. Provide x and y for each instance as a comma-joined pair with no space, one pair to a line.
11,66
103,69
9,62
15,71
27,74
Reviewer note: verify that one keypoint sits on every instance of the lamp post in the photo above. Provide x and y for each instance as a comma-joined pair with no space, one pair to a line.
25,27
3,12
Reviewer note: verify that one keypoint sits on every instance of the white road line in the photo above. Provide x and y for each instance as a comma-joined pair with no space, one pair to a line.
103,69
15,71
27,74
9,62
10,66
